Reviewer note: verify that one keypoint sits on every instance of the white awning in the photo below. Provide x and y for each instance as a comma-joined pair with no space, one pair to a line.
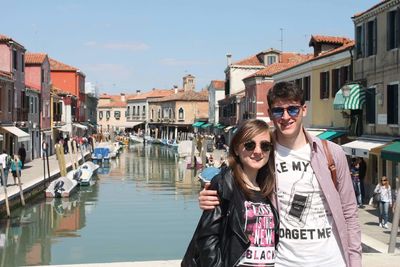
22,136
63,128
131,124
226,129
361,148
81,126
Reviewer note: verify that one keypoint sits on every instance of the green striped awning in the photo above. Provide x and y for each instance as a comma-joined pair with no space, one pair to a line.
330,135
205,125
354,101
391,152
198,123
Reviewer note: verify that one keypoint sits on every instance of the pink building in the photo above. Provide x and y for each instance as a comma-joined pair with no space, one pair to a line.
37,76
15,114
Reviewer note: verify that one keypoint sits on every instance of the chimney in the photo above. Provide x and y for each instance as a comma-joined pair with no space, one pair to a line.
175,89
137,91
228,59
123,97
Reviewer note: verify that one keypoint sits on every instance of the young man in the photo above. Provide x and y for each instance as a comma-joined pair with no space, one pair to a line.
318,222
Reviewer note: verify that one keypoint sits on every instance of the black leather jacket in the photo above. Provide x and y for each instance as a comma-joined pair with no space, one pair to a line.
210,248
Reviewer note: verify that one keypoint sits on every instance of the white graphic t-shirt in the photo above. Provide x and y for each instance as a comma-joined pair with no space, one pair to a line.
306,235
260,229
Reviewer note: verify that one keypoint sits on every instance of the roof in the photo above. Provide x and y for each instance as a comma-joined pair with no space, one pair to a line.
328,40
116,104
272,69
218,85
154,93
369,9
59,66
347,46
185,96
5,39
35,58
4,74
250,61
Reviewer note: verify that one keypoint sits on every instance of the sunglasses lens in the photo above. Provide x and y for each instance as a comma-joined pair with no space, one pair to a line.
265,146
293,110
250,146
277,112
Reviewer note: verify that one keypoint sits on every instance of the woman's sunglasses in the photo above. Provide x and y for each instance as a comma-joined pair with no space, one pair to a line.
251,145
293,111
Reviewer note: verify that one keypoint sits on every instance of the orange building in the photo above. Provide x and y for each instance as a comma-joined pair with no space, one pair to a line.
72,80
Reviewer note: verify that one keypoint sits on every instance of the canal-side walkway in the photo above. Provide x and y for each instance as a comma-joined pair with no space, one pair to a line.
33,180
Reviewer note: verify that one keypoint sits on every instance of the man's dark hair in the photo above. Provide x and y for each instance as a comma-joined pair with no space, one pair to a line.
285,91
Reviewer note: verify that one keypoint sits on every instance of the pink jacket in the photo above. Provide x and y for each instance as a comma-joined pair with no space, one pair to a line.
341,201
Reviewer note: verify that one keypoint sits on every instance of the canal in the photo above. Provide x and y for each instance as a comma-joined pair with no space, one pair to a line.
142,207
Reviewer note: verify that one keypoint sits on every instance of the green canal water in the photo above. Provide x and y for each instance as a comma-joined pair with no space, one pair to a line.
143,207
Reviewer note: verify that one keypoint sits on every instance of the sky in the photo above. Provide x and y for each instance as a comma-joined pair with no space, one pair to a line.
124,46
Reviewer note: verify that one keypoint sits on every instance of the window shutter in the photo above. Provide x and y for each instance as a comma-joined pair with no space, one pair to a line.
375,43
363,40
321,85
398,27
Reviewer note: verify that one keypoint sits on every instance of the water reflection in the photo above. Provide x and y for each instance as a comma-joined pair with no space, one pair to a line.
140,204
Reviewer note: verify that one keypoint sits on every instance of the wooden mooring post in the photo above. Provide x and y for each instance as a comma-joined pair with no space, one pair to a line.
4,179
21,192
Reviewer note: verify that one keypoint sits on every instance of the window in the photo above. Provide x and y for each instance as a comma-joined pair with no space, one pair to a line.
181,114
15,59
128,111
152,113
9,100
371,38
144,110
359,42
100,115
133,110
117,115
306,88
298,83
393,104
371,105
335,81
108,114
42,75
170,113
159,113
324,85
36,105
271,60
138,110
346,75
393,29
23,63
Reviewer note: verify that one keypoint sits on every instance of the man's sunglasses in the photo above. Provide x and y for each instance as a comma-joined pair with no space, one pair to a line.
278,112
251,145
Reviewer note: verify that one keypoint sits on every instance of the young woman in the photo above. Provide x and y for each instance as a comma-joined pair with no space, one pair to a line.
243,230
16,163
384,191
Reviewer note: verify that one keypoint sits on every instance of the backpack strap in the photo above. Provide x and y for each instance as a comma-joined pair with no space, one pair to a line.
331,163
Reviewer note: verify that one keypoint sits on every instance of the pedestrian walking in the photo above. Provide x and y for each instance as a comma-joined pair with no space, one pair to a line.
16,163
355,177
4,162
383,191
22,154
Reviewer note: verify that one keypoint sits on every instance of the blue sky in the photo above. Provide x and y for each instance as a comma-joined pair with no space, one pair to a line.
124,46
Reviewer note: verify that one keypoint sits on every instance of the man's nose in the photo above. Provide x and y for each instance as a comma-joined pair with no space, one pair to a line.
285,114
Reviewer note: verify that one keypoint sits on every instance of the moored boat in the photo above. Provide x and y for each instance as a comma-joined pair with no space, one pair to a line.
61,187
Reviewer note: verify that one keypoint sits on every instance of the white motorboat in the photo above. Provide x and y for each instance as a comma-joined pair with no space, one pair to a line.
84,174
135,138
61,187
